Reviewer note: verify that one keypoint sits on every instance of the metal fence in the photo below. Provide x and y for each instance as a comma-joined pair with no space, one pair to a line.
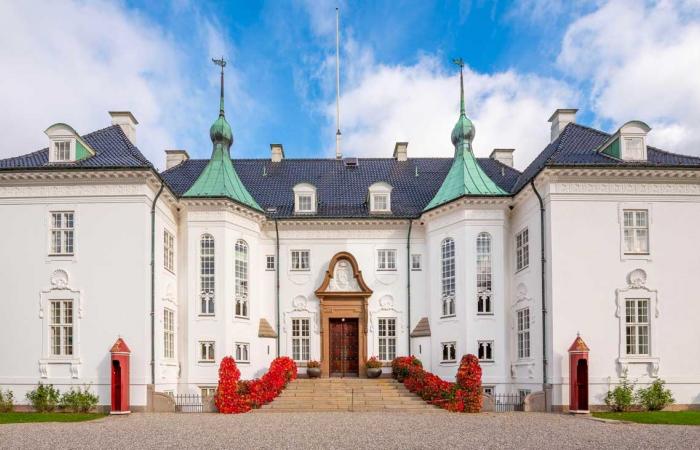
508,402
188,403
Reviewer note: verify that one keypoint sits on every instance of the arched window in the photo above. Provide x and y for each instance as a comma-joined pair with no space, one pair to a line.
447,258
241,278
483,273
206,274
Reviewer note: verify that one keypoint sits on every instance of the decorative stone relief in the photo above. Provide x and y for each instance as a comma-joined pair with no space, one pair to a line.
301,304
637,279
628,188
386,305
343,278
59,279
43,369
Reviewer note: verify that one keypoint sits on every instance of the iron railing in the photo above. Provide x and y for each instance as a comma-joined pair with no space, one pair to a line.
508,402
188,403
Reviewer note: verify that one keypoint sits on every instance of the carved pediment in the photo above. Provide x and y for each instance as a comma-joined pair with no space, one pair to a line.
343,277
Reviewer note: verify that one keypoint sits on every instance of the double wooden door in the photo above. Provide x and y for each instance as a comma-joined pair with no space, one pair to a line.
344,347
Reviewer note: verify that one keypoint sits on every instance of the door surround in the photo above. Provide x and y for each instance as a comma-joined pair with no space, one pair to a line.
343,294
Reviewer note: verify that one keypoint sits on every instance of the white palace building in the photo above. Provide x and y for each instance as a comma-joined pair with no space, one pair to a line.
341,259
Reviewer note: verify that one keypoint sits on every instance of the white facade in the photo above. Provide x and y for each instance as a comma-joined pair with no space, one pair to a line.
588,278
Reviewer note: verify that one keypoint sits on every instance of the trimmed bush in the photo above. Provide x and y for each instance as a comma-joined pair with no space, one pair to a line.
621,397
6,401
44,398
80,400
655,397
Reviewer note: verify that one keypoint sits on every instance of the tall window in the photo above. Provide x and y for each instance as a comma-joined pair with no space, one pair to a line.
168,333
61,151
637,326
523,316
241,278
61,327
62,232
300,260
387,339
270,262
448,276
242,352
483,273
300,339
485,351
206,275
449,351
522,250
386,259
206,351
416,262
168,251
636,231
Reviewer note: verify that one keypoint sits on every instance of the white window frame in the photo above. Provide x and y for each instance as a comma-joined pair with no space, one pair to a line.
386,338
305,190
637,290
62,150
270,262
377,191
484,274
450,345
168,251
169,337
448,271
241,351
207,352
60,290
61,332
299,260
63,232
207,391
625,207
301,339
416,262
386,260
207,276
486,345
523,334
522,249
241,279
488,390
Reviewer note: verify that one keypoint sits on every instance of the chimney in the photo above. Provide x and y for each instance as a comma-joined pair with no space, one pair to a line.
400,152
277,152
560,119
127,122
175,157
503,155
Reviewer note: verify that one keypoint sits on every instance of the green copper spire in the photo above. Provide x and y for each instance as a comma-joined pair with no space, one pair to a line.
465,177
219,178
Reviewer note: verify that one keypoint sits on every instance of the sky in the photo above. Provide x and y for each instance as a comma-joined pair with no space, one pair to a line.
615,60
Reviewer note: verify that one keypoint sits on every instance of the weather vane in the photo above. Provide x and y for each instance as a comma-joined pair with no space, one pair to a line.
219,62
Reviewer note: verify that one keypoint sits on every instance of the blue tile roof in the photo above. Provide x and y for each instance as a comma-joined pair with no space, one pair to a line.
341,190
578,145
112,150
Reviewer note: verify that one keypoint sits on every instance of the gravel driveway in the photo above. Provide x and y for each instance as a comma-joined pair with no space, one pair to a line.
347,430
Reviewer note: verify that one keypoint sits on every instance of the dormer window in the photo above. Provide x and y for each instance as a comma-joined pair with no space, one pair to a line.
380,198
65,145
304,199
61,151
629,142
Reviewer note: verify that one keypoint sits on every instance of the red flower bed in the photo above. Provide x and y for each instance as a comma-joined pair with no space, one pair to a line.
234,396
462,396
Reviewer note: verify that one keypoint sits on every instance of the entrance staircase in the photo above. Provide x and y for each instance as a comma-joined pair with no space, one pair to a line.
346,394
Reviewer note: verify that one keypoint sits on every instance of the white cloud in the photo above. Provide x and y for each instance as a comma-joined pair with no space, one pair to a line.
77,60
642,60
420,104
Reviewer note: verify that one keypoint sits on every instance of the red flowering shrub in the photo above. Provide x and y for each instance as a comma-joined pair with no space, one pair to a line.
243,396
463,396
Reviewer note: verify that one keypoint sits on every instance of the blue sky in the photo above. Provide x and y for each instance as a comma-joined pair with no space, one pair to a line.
524,60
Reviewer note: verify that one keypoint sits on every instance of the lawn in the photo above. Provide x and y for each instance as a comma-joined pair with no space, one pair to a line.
27,417
658,417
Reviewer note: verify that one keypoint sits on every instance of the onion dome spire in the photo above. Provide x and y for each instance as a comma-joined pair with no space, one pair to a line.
465,177
219,177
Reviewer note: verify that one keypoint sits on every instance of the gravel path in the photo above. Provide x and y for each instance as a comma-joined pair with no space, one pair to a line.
348,430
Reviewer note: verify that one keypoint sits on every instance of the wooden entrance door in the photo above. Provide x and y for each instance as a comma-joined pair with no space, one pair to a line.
344,347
